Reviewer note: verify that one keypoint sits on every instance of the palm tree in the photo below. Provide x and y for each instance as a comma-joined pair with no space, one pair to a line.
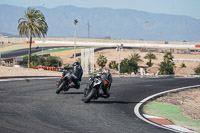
33,24
135,57
101,60
150,56
168,57
167,65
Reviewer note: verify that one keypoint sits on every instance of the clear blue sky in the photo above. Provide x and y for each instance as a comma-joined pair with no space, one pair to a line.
177,7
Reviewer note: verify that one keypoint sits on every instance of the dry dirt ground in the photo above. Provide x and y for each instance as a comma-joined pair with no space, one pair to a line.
112,54
14,71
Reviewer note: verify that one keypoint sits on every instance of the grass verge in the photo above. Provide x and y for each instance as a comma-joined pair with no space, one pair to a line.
55,50
172,113
5,52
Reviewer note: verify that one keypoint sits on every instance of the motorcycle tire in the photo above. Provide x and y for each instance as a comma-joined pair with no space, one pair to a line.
89,96
61,86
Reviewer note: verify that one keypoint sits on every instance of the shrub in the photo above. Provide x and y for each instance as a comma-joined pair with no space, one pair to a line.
113,65
42,61
183,65
34,61
101,60
24,62
166,68
149,64
52,61
128,66
197,70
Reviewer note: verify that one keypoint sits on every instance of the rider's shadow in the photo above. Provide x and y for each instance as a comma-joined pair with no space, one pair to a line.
73,93
113,102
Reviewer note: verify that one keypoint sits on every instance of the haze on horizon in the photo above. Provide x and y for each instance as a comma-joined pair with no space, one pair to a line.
175,7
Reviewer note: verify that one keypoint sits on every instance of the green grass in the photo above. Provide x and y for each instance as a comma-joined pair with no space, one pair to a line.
50,50
6,52
55,50
172,113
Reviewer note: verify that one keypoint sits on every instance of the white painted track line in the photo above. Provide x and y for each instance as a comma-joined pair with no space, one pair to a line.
171,127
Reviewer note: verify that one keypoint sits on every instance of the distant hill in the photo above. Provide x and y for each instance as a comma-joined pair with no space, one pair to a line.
107,22
8,35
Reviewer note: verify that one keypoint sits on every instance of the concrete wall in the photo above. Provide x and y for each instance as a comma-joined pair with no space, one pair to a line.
23,40
102,42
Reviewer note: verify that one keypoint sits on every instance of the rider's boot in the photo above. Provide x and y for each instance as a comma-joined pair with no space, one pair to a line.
66,88
72,86
106,95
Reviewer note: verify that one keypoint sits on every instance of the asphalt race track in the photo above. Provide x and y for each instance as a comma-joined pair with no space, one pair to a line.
22,52
33,106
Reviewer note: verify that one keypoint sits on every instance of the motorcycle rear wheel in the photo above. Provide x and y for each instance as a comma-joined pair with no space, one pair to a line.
61,86
89,96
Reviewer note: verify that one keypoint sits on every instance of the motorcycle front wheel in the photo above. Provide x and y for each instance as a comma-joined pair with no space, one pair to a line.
89,95
61,86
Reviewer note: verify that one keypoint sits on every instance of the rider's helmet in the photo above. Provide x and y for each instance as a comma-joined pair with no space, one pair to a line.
76,64
106,71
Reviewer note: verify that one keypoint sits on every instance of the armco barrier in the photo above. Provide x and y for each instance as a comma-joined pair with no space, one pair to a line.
29,42
197,45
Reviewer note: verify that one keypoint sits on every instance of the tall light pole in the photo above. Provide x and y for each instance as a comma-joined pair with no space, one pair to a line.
145,26
75,22
119,49
0,58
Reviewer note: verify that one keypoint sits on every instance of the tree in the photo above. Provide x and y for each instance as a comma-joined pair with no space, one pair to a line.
113,65
167,65
33,24
101,60
135,57
150,56
166,68
168,57
52,61
128,66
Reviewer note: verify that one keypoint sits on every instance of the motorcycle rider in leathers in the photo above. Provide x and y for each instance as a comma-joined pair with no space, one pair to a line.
106,78
77,73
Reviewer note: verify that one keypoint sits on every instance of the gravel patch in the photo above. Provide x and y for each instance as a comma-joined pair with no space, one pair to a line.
14,71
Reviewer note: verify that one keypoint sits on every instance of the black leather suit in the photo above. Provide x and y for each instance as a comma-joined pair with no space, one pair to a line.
77,73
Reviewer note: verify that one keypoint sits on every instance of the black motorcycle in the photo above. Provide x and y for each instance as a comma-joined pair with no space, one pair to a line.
64,81
96,85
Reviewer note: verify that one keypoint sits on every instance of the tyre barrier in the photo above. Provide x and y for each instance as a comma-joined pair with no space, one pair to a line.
48,68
